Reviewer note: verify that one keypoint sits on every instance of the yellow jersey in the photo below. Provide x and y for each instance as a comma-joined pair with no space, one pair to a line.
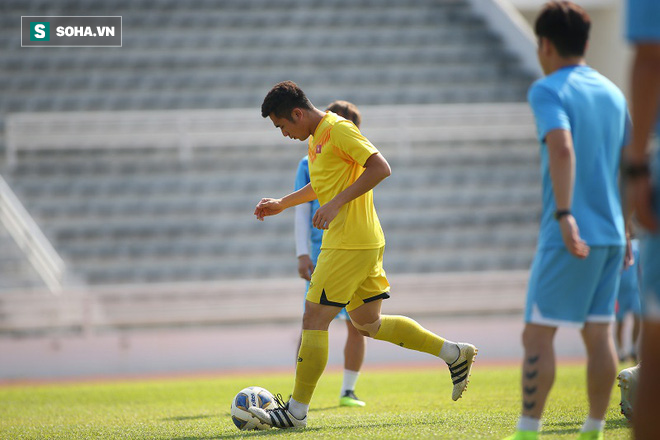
337,154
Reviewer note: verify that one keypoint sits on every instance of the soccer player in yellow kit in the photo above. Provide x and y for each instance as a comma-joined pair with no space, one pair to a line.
344,168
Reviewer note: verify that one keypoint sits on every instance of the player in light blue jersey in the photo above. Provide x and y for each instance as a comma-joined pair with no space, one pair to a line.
306,236
582,124
643,30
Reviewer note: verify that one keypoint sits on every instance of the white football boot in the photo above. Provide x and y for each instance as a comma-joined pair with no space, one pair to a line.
628,383
460,369
279,417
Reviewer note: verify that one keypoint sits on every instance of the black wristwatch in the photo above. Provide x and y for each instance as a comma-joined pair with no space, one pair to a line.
561,213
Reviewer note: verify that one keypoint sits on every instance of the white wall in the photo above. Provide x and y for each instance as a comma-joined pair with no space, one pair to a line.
608,52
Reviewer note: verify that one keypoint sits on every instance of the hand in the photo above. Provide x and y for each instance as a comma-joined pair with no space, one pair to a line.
640,192
324,215
305,267
268,207
571,235
629,259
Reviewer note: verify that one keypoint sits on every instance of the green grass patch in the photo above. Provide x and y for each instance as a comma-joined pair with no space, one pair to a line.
402,404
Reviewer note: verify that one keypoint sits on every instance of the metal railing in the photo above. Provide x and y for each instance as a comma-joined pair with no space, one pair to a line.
41,254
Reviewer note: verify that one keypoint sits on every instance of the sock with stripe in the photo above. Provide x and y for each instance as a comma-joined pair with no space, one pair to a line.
406,332
449,352
312,358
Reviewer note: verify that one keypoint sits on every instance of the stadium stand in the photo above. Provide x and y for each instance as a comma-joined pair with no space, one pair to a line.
457,200
225,54
124,209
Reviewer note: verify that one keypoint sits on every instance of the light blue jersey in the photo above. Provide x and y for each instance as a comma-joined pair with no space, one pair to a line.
316,235
644,27
582,101
643,21
565,290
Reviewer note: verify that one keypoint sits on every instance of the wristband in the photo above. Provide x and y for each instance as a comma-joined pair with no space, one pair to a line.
635,170
561,213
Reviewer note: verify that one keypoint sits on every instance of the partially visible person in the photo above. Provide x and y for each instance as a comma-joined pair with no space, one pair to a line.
307,236
643,31
582,125
628,303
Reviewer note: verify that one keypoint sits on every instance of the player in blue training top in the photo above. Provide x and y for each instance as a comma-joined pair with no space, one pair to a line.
643,186
307,235
582,124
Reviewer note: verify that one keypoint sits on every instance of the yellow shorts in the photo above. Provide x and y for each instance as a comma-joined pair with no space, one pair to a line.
348,278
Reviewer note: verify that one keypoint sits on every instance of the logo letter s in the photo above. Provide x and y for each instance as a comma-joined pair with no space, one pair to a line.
39,31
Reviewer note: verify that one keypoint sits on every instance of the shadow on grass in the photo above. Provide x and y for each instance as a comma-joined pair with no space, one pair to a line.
327,429
256,434
185,418
323,408
556,427
619,423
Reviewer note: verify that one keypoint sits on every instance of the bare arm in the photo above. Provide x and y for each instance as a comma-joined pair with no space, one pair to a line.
562,173
645,98
376,170
645,89
562,166
267,207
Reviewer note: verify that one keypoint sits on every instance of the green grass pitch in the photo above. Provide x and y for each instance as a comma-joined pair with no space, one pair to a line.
404,403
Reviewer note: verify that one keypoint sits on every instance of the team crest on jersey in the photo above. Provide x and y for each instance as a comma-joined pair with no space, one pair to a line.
314,150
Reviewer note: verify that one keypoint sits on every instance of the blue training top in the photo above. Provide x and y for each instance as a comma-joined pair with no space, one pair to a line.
582,101
643,20
316,235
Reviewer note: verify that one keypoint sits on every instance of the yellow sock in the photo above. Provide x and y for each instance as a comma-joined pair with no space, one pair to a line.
312,357
406,332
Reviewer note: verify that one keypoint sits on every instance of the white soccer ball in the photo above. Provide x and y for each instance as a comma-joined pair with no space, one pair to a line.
250,396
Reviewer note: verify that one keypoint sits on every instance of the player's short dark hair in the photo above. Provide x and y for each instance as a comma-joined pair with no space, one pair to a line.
283,98
346,110
566,25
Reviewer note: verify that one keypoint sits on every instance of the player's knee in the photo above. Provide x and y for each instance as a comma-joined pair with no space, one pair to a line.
528,338
367,329
538,338
314,320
